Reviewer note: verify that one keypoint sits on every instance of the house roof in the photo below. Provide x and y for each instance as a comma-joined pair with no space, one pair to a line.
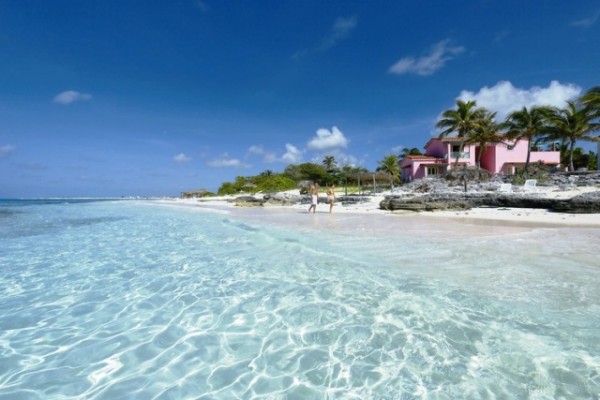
429,160
446,139
420,157
457,139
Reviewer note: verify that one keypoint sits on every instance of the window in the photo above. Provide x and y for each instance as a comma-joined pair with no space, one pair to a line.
432,171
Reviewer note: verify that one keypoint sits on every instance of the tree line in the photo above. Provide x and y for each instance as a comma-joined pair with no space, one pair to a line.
559,128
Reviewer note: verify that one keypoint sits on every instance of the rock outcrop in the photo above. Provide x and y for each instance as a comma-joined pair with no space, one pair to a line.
432,194
584,203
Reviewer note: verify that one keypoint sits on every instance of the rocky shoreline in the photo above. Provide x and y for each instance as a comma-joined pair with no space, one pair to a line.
583,203
438,194
441,194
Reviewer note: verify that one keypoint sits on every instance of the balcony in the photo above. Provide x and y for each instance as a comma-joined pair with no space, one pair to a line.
464,154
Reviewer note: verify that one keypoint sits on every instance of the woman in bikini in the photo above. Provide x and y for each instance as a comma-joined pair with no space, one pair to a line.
331,197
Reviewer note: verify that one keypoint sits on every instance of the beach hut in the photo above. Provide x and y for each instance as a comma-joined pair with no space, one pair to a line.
194,194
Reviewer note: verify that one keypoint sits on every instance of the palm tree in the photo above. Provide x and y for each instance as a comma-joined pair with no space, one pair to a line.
591,99
527,125
390,165
329,163
484,133
573,123
461,120
410,152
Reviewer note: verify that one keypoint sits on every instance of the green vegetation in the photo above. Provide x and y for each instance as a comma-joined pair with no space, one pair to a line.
579,120
463,120
528,124
410,152
561,128
391,166
537,171
265,182
299,177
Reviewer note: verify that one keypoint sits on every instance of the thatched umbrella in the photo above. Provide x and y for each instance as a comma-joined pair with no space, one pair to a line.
373,178
194,194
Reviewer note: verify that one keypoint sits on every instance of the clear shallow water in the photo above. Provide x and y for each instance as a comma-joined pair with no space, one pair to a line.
122,300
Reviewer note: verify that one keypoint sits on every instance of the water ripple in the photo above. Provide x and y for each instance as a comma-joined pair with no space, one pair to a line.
170,305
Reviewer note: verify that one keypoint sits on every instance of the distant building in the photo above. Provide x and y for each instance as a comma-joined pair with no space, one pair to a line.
497,158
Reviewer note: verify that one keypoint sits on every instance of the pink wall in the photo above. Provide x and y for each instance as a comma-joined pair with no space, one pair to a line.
498,158
441,149
436,148
505,156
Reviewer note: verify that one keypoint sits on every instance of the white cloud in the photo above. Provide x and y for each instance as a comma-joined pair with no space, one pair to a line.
426,65
6,150
587,22
224,161
340,157
292,155
268,157
181,158
258,150
504,98
339,31
71,96
328,140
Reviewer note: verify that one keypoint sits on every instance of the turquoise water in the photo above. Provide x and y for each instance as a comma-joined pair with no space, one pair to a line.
138,300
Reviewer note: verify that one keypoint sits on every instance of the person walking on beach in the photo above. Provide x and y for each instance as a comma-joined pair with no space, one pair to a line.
314,198
331,196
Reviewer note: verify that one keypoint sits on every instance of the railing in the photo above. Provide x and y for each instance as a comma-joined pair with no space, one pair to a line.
464,154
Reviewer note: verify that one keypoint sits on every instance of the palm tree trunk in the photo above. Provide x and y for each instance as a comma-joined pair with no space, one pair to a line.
571,149
527,160
482,148
460,151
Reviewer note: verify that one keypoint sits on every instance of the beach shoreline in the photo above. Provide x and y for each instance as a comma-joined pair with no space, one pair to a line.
525,217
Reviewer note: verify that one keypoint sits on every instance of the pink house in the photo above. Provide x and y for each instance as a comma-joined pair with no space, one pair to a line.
497,158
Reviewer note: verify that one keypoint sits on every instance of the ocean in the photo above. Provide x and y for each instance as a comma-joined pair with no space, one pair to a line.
133,299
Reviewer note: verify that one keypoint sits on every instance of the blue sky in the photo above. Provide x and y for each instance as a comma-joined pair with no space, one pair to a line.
151,98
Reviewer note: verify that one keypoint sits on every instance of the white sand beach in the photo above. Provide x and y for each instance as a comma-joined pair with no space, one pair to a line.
482,215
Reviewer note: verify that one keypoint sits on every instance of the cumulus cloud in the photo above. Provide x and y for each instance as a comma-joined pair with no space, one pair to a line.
341,158
292,154
71,96
6,150
224,161
181,158
268,157
258,150
504,98
439,54
328,140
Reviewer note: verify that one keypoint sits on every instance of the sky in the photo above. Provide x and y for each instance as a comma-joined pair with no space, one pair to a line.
151,98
